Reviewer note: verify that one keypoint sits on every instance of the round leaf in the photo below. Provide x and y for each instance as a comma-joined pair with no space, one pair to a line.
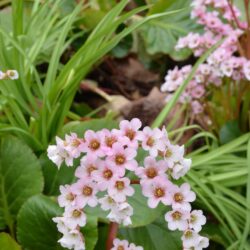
36,230
20,178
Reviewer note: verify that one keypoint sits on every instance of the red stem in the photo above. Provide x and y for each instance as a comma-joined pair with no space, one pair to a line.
234,16
113,229
135,181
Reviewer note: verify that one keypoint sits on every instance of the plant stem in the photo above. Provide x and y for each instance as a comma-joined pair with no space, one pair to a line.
135,181
113,229
234,15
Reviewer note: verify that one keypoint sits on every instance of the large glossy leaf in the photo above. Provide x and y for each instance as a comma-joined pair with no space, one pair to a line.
94,124
20,178
55,177
8,243
155,236
160,35
65,175
36,230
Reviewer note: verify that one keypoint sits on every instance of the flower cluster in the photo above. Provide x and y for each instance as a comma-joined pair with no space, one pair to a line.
124,245
9,74
106,157
218,18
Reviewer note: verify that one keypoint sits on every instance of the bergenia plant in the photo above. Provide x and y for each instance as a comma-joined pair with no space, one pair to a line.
228,65
106,159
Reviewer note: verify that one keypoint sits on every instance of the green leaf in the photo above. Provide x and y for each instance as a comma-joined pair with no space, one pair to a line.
155,236
122,49
95,124
36,230
143,215
54,177
8,243
20,178
90,232
229,132
160,35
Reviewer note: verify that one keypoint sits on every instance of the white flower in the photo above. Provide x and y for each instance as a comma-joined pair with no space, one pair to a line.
173,154
74,217
132,246
121,214
196,220
181,168
12,74
190,239
2,75
107,203
73,240
61,225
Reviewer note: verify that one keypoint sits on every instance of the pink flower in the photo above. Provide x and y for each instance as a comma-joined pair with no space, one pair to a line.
120,188
74,217
93,143
122,158
130,130
104,175
177,219
173,80
197,107
152,140
182,196
108,140
152,169
89,164
120,245
198,91
74,145
158,190
196,220
67,197
86,193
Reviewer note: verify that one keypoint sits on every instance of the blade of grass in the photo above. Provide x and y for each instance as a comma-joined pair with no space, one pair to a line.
247,224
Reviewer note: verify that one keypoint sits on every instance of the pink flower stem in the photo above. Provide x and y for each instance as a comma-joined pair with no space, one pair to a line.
113,229
234,16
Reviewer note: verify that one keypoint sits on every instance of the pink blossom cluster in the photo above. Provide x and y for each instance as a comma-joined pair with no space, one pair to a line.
124,245
9,74
218,18
106,157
